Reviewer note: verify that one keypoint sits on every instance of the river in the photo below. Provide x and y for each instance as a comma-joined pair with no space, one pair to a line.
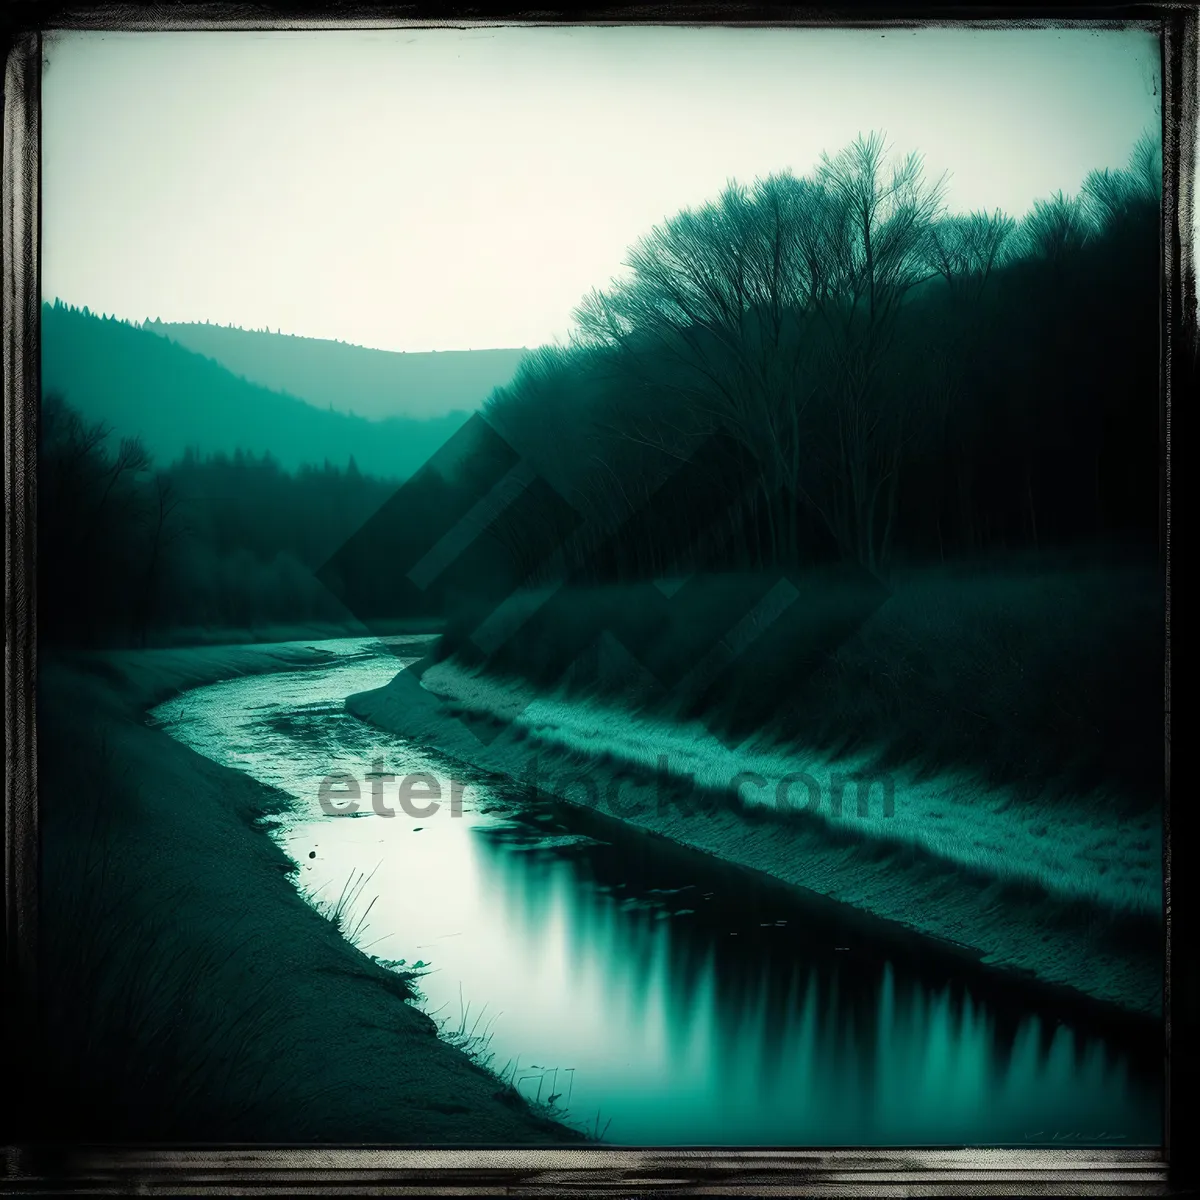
653,994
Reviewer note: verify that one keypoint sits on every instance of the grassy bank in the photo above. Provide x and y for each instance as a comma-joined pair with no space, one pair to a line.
188,992
1034,865
1043,675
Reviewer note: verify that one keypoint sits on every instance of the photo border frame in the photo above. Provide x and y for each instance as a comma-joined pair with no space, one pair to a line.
31,1164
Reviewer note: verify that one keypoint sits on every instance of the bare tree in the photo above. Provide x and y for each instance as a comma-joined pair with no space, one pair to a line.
964,250
1115,197
1056,229
714,313
876,249
890,209
734,305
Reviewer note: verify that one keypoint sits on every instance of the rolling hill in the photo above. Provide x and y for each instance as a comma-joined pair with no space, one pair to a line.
173,398
351,379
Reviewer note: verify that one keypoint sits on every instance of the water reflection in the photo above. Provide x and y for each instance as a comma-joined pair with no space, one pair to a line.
758,1031
682,1000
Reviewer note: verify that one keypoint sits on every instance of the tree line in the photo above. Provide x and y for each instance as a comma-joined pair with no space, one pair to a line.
882,380
828,367
61,305
126,549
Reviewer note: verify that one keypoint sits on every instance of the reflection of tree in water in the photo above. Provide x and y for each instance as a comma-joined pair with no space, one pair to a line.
851,1040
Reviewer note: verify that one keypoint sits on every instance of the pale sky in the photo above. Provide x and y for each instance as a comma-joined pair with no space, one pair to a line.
447,189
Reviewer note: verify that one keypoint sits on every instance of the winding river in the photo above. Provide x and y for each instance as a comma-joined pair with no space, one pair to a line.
648,993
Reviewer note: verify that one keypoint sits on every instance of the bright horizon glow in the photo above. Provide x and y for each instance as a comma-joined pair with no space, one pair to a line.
464,189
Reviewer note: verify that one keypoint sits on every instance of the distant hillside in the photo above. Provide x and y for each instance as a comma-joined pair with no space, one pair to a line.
352,379
173,398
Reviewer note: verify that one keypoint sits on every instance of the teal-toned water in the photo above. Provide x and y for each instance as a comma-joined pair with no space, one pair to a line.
649,990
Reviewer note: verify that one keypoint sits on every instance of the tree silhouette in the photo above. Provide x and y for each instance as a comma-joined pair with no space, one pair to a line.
903,380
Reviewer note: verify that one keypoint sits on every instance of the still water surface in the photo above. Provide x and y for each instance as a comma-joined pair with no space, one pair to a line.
653,992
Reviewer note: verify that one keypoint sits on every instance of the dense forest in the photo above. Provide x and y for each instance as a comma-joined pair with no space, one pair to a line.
807,370
190,498
865,377
939,433
224,541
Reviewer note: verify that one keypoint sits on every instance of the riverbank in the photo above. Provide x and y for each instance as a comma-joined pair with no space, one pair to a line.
189,992
1027,911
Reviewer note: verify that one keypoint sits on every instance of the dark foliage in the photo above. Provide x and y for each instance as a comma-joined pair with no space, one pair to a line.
829,374
892,384
221,542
